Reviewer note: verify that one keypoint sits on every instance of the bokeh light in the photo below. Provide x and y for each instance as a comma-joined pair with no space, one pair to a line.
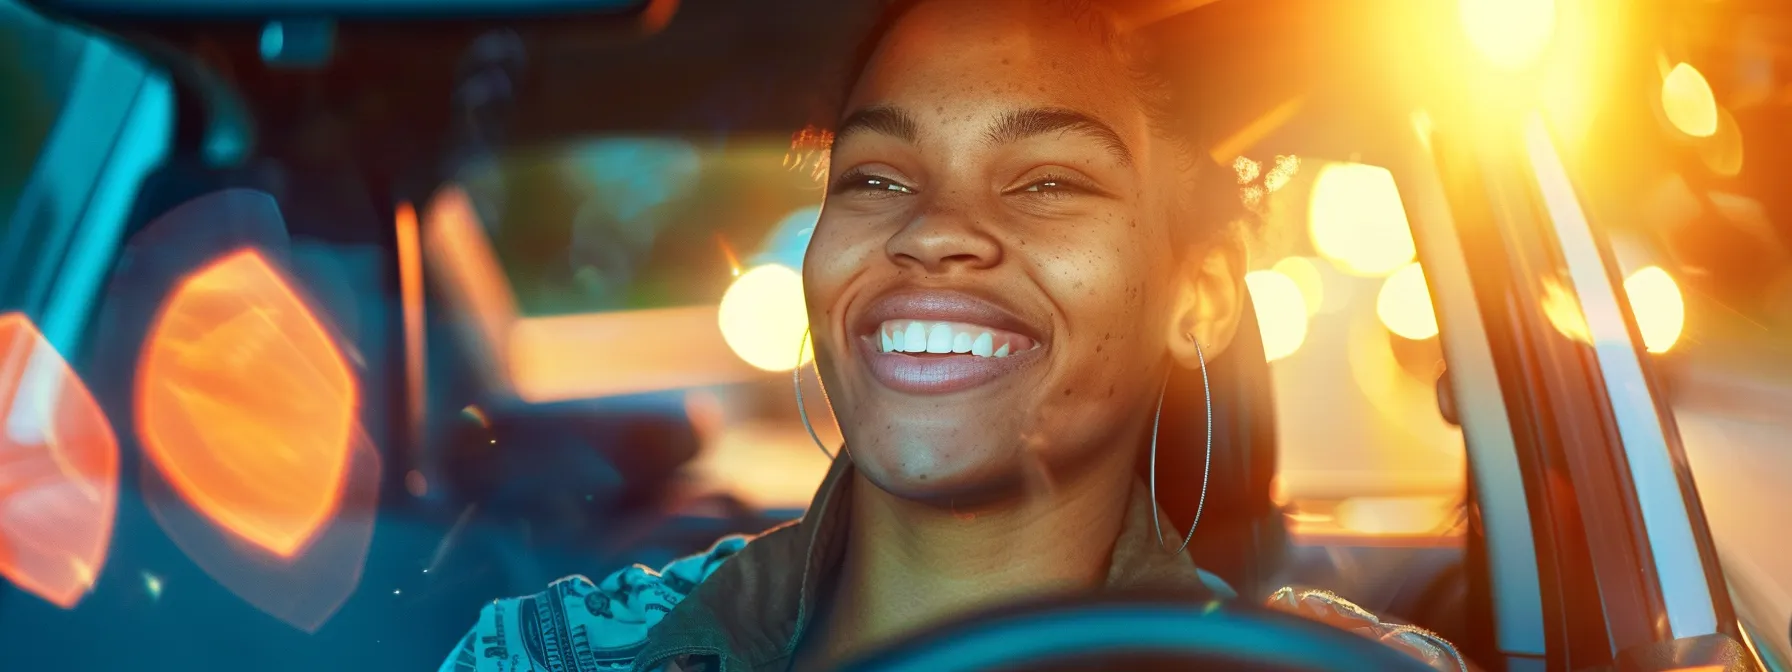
763,317
1509,33
1306,276
1659,308
1404,304
59,485
1357,221
1687,101
246,405
1281,312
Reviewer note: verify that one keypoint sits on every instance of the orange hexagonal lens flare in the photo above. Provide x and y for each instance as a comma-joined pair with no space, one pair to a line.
246,405
58,470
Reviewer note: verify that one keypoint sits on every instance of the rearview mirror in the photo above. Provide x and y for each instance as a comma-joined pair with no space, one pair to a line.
214,10
306,34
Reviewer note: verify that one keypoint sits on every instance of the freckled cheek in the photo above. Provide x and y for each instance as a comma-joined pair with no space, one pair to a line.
1107,317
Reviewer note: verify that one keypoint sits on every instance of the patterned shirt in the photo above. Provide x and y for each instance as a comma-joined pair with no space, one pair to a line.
745,603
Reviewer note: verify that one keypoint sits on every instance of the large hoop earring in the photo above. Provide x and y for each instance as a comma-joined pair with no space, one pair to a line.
1206,465
796,382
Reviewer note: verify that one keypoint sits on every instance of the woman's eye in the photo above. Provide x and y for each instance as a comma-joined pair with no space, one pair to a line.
881,184
871,184
1056,186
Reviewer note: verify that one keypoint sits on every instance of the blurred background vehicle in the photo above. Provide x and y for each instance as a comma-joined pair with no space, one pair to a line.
317,334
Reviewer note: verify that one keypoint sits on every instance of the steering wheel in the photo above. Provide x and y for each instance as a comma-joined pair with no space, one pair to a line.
1137,632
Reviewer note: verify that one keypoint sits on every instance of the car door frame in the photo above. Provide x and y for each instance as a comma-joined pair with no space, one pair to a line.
1623,554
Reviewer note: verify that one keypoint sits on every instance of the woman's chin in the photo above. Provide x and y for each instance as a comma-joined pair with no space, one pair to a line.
925,474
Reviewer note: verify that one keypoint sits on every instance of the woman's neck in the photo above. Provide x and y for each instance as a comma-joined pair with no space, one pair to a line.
911,565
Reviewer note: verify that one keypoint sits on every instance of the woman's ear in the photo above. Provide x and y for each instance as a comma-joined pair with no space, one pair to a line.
1210,300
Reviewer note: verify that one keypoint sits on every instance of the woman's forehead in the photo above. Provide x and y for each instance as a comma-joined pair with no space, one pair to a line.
950,60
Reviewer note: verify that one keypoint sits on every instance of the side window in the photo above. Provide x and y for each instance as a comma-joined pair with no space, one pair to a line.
1349,327
1371,467
84,123
37,63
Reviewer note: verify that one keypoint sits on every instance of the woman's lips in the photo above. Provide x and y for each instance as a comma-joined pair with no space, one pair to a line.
933,357
938,341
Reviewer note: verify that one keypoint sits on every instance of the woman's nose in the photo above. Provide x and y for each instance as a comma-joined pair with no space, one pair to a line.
936,241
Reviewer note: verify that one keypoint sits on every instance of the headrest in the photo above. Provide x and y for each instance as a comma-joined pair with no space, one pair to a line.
1241,530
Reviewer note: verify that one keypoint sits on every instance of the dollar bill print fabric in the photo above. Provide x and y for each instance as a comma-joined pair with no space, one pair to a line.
579,626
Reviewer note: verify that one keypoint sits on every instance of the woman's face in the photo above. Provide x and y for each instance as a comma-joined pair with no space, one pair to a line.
992,282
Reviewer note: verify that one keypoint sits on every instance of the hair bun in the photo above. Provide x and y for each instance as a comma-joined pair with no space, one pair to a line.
1256,184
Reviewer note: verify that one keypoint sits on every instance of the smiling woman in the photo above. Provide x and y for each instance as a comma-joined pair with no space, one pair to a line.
1053,211
1015,256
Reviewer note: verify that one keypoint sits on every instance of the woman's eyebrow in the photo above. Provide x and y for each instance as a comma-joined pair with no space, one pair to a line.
1022,124
884,119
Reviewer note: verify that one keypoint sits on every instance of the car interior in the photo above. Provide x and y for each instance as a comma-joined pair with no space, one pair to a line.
487,240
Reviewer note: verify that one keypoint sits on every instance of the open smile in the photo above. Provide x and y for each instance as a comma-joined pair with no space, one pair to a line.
943,342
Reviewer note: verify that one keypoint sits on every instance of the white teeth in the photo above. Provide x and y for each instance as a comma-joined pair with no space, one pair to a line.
939,340
915,338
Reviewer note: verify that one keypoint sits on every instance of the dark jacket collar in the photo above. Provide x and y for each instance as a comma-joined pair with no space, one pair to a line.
752,611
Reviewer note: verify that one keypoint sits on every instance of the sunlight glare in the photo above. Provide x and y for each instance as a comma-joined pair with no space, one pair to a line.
1510,33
